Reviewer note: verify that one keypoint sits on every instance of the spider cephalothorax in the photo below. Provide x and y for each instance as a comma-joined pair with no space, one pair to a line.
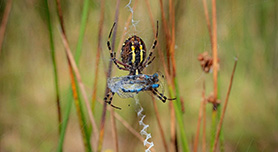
133,54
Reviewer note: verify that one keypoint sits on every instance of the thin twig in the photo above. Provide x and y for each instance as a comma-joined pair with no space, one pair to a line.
173,37
207,19
99,49
172,127
196,141
4,22
167,34
114,130
159,124
204,118
224,108
214,48
113,122
80,83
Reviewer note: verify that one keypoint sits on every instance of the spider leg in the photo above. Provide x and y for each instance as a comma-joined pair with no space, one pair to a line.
113,54
150,62
146,63
161,96
108,99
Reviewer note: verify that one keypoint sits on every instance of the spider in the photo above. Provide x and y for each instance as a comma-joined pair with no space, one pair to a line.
133,55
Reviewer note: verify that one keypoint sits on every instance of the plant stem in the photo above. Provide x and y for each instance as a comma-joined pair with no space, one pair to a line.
179,121
51,41
224,109
5,21
84,17
99,49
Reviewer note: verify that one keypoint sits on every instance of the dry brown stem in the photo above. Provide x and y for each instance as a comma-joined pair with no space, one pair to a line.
80,83
207,19
159,124
224,109
74,68
114,130
4,22
160,53
196,141
204,118
167,34
103,117
214,48
99,49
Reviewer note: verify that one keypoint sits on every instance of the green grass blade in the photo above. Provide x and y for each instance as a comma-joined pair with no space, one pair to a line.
82,30
78,103
65,122
54,63
179,116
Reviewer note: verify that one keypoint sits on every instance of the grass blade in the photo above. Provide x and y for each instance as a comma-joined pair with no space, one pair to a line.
51,41
73,68
82,30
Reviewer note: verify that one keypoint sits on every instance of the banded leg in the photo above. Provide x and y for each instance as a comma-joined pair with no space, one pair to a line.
149,62
108,99
146,63
161,96
113,54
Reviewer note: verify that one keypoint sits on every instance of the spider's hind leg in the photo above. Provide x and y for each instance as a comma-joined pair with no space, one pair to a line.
108,99
161,96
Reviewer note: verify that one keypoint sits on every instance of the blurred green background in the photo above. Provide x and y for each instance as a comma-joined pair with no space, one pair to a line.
246,28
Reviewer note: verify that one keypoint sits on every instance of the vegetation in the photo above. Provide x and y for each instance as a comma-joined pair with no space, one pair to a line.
54,65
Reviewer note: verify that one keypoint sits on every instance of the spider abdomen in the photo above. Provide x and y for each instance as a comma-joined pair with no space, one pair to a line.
134,53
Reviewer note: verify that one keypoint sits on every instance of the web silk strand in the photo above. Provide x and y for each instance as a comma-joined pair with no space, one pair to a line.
143,132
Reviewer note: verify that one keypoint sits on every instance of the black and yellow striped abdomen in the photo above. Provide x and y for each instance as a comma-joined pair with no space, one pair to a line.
134,53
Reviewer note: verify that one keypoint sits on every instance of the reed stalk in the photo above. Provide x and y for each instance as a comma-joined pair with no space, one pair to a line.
204,118
99,49
159,125
196,140
51,42
76,79
84,17
224,108
4,22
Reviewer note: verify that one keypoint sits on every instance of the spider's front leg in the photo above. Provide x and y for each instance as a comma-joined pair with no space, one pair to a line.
108,99
148,61
113,54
